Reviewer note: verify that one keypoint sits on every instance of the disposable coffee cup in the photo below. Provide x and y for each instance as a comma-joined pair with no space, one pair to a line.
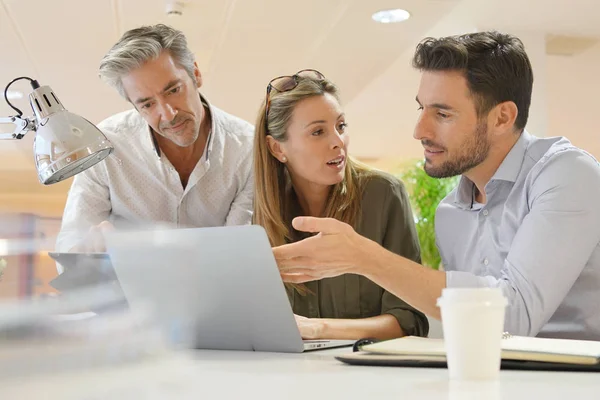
473,322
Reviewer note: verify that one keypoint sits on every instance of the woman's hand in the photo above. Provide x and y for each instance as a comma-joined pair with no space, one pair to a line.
310,328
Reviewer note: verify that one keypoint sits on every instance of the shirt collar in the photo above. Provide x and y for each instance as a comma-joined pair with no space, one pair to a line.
213,127
512,163
508,171
209,141
464,197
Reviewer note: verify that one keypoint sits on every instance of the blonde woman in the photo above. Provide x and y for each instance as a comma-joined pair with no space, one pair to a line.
302,168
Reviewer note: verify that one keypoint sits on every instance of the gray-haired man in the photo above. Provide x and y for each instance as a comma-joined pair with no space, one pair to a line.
178,160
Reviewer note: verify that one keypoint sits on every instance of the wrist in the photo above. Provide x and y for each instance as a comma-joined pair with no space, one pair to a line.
368,259
322,328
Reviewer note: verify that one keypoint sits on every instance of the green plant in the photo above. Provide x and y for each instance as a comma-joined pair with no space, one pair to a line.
425,194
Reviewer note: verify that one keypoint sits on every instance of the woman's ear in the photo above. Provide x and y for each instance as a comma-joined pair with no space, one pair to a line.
276,149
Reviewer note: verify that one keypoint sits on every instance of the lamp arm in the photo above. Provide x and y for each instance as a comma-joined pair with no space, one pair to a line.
22,126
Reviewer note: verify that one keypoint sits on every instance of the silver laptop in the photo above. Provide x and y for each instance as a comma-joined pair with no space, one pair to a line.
210,288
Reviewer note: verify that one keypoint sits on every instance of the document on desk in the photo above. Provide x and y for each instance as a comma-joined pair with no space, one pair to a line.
517,351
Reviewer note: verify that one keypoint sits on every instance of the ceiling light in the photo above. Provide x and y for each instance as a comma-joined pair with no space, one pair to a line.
174,8
391,16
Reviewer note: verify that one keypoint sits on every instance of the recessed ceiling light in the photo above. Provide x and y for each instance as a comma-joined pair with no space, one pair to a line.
13,95
391,16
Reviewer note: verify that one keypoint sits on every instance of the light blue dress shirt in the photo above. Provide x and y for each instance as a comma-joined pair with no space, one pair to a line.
537,238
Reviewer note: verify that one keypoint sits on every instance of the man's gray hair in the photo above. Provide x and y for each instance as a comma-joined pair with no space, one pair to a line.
140,45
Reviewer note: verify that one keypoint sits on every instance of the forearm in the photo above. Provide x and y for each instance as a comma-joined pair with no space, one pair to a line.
75,232
380,327
417,285
88,204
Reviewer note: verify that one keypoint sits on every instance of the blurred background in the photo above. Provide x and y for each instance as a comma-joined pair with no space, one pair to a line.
241,44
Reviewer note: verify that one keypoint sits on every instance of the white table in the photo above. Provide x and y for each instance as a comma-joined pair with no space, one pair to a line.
206,374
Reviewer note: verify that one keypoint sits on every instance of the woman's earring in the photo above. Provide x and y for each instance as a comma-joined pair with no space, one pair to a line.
283,159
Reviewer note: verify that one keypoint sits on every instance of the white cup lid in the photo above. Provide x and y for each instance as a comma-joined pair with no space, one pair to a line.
490,296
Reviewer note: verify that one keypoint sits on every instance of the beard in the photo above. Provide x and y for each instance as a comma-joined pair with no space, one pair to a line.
185,138
472,152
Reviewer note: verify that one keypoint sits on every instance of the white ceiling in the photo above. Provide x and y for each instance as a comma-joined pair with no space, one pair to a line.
241,44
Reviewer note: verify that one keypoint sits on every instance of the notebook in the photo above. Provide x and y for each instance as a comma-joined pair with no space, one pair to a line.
518,352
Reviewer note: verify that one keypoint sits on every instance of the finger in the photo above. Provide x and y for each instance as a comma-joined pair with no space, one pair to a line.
296,262
94,242
300,271
323,225
88,244
105,226
293,250
296,278
97,243
307,264
299,317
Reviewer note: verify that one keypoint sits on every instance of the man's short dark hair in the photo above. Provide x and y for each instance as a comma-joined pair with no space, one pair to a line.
495,65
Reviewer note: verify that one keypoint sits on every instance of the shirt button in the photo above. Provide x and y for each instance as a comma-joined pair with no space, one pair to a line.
485,261
485,213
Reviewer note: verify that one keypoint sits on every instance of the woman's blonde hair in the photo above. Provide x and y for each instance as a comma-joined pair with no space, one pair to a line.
272,193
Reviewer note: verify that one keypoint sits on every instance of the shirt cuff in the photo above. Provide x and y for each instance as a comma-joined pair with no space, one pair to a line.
412,323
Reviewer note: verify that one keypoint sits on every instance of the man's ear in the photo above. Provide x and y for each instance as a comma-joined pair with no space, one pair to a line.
504,116
276,149
197,74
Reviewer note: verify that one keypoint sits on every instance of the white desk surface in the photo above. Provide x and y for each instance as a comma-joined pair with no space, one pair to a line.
204,374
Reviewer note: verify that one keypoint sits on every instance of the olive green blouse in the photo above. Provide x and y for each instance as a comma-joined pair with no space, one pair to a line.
386,218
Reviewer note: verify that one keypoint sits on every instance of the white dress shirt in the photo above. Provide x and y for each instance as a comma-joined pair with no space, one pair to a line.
137,185
537,238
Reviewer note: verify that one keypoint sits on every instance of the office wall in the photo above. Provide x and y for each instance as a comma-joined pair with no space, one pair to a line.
572,88
572,85
574,98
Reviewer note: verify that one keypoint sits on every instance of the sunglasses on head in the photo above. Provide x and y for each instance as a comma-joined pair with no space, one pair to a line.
288,82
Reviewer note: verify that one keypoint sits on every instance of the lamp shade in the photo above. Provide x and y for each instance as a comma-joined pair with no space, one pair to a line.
65,143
